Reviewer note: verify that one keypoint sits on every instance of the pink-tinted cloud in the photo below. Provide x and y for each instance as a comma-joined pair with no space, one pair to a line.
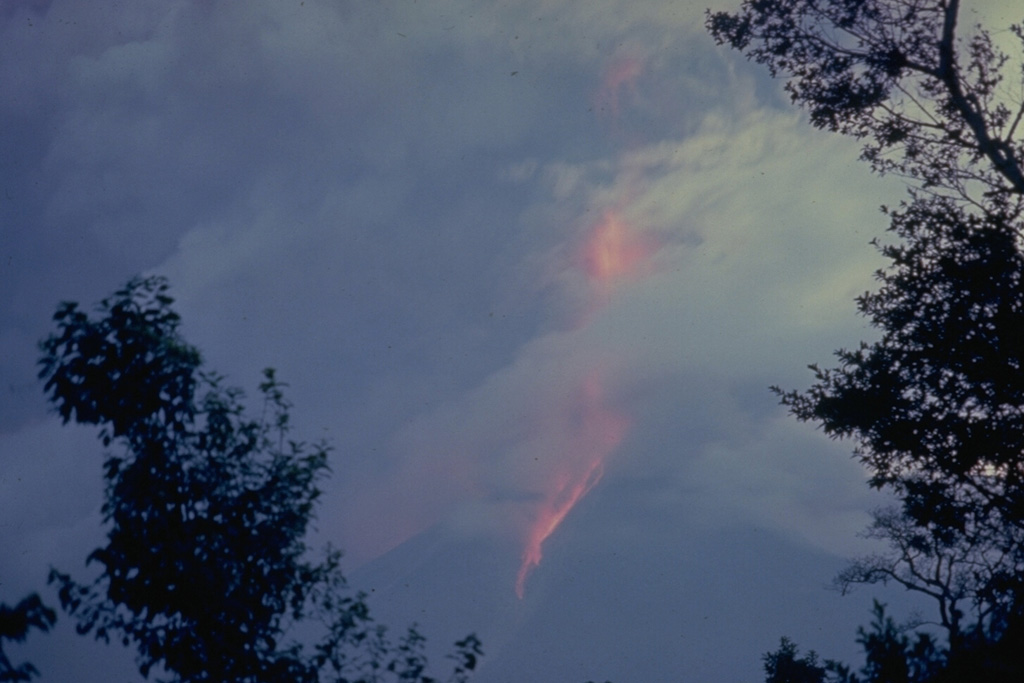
595,430
617,83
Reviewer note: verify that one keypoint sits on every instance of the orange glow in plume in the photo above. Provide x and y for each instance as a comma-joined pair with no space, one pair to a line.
599,431
612,249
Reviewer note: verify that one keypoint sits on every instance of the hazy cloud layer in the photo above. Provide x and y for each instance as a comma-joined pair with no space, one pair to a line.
497,251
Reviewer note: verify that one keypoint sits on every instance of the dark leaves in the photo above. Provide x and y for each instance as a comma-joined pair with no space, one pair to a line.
895,75
128,371
943,390
936,404
15,624
784,666
205,565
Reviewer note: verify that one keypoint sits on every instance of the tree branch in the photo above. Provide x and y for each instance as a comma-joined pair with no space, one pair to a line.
997,151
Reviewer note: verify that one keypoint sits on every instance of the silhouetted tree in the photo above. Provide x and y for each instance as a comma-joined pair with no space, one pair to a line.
897,74
205,569
15,623
783,665
936,406
969,578
890,656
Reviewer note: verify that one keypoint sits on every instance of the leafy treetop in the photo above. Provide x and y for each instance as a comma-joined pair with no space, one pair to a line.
205,569
928,103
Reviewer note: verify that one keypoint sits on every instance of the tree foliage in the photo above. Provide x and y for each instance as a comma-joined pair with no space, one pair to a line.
205,569
927,102
890,656
783,665
965,576
15,623
935,407
937,404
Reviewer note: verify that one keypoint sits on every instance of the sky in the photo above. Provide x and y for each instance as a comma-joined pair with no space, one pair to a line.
530,267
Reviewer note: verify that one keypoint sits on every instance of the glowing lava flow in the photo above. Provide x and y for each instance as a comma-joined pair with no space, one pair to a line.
600,430
568,494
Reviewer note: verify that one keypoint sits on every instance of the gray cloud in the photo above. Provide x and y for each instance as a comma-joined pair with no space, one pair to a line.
397,205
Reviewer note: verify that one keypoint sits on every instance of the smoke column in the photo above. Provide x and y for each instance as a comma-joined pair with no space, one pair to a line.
611,252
